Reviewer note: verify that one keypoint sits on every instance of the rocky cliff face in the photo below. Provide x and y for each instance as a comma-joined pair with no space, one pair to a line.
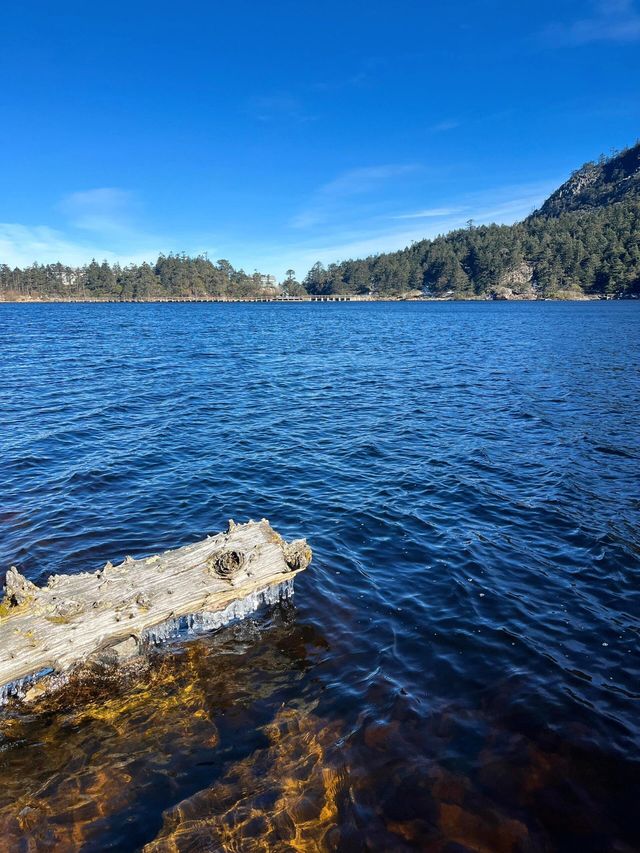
597,184
516,283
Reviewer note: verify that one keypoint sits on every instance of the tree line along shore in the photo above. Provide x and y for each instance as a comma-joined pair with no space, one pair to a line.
583,242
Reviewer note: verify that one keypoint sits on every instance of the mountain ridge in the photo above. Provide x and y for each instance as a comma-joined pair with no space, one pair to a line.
584,241
606,181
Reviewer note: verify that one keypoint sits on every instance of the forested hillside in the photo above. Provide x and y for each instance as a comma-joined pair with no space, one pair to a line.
584,241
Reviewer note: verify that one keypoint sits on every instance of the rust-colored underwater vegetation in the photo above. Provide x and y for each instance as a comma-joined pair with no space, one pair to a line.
282,797
202,751
85,766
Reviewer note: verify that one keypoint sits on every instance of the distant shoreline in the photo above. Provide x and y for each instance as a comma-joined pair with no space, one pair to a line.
307,299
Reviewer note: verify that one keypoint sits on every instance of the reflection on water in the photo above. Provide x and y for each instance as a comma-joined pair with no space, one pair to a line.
460,668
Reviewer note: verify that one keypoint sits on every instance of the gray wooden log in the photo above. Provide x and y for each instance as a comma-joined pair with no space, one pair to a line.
75,618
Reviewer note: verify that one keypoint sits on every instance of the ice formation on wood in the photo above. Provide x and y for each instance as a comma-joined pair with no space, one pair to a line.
110,615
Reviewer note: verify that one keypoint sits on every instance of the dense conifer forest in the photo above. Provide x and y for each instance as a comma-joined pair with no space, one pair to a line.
583,241
172,276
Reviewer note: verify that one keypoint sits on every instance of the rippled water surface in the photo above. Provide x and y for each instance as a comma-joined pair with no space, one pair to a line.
459,669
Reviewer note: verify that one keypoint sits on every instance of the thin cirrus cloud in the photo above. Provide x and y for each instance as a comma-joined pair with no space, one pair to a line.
97,223
445,125
365,73
608,20
278,107
331,198
505,204
22,245
102,210
429,213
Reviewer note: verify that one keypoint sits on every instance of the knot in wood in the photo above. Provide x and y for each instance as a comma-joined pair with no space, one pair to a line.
225,564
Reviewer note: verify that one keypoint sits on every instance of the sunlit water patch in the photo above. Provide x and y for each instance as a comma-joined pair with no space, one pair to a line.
459,668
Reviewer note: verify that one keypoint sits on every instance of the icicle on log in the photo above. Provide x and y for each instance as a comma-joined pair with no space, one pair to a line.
107,615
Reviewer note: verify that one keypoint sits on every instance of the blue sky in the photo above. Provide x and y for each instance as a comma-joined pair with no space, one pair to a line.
277,134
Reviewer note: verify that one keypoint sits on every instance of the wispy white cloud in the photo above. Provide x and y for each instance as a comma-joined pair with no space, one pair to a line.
608,20
359,238
102,210
278,107
22,245
366,73
359,78
365,179
101,223
445,125
331,196
429,213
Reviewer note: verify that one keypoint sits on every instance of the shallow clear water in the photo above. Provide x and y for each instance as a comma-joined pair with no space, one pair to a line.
460,667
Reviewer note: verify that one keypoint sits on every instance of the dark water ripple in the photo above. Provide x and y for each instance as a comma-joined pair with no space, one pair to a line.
467,475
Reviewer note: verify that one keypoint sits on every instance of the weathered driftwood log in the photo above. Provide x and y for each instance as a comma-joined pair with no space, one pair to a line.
107,614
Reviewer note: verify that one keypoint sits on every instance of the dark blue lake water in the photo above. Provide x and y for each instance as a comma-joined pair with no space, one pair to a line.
460,668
